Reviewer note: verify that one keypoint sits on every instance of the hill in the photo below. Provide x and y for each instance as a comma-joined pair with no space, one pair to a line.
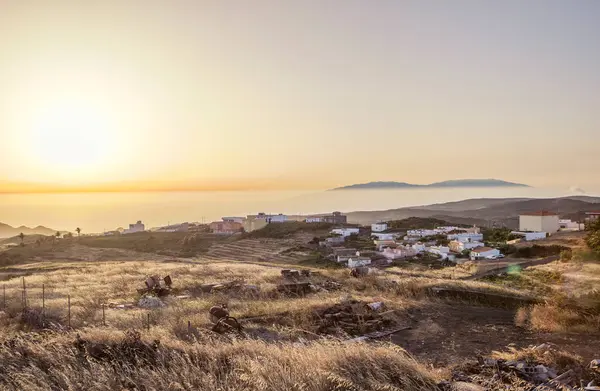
483,211
6,231
449,183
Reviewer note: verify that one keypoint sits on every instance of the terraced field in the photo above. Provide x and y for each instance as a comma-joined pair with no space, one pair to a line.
258,250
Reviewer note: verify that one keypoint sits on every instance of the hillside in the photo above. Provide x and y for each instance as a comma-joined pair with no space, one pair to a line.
483,211
6,231
449,183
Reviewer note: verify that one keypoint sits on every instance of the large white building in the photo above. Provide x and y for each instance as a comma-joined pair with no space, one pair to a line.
466,237
379,227
459,246
345,231
133,228
485,253
539,222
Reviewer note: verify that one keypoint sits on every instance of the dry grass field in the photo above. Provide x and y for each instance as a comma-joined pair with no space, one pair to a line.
106,340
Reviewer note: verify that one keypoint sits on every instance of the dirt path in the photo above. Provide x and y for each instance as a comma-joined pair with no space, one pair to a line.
522,264
443,334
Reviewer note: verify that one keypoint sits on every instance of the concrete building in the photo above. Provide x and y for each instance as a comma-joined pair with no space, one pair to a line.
357,261
485,253
383,236
183,227
379,227
226,227
133,228
258,221
420,233
529,236
466,237
438,250
459,246
313,219
345,231
419,247
398,252
232,219
382,244
569,225
335,218
542,221
591,216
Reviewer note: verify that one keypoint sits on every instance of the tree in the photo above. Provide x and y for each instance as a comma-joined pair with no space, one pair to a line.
78,230
22,237
57,234
593,237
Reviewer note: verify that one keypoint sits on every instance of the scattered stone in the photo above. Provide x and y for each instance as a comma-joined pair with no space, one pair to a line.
150,302
376,306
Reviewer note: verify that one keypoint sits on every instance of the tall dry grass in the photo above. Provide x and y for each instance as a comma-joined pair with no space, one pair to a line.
53,363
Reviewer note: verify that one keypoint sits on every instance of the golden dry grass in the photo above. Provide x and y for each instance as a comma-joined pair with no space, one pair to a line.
53,363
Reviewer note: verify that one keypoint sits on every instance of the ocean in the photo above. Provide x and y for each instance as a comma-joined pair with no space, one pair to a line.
97,212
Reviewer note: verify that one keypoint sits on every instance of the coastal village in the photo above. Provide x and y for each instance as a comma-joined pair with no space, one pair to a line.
382,244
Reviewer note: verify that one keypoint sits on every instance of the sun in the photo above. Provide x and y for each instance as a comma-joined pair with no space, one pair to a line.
75,138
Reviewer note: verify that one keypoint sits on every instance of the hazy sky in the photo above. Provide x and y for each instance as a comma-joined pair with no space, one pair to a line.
299,94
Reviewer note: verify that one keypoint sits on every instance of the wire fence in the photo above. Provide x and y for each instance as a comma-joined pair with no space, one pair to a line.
33,310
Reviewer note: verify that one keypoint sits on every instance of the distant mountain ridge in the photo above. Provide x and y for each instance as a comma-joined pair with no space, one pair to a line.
449,183
483,211
6,231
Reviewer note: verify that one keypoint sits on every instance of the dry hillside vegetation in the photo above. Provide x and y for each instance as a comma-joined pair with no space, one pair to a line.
290,339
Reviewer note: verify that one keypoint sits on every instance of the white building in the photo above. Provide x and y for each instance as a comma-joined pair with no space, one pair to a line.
231,219
485,253
133,228
398,252
529,236
381,244
459,246
569,225
539,222
383,236
345,232
358,261
438,250
183,227
445,230
313,219
420,233
419,247
466,237
379,227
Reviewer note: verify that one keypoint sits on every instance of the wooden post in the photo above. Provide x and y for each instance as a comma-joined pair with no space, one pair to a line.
43,305
189,327
148,321
4,296
24,299
103,316
69,309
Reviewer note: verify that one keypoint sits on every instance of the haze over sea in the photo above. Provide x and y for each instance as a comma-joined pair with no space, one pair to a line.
96,212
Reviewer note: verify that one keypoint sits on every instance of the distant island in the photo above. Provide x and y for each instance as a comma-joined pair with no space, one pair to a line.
6,231
450,183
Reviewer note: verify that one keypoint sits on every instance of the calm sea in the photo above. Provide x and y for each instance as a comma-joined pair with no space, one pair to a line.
96,212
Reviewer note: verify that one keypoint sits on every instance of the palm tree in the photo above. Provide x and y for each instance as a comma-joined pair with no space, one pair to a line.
78,230
22,237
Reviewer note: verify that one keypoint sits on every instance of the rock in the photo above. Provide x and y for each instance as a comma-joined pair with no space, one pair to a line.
376,306
150,302
592,386
595,364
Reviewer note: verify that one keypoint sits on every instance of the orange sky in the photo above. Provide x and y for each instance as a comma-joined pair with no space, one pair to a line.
208,95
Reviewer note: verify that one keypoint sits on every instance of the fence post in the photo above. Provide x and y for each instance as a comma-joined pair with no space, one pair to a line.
4,296
69,313
103,316
148,321
43,305
189,328
24,298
